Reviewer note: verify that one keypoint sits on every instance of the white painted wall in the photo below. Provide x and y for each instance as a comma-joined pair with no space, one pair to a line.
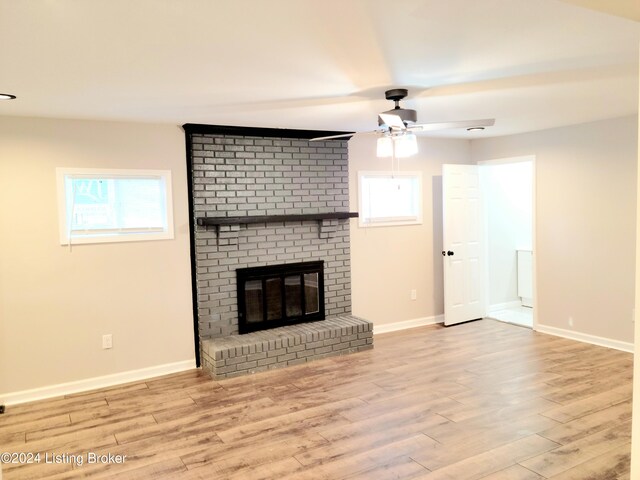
388,262
508,200
585,222
55,304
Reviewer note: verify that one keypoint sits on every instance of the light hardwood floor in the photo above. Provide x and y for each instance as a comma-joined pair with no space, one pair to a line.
483,400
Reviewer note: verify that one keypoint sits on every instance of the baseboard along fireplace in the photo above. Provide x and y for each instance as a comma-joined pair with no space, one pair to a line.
279,295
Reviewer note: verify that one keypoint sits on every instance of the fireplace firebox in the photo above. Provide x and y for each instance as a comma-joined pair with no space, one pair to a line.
279,295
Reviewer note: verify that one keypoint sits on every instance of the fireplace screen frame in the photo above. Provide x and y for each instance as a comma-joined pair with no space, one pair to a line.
282,271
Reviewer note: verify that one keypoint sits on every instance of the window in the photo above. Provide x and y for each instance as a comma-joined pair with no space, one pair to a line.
97,206
390,198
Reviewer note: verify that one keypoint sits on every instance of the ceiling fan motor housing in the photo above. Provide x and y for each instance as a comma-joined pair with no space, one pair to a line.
406,115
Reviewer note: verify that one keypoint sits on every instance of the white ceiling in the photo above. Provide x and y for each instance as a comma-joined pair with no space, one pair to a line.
321,64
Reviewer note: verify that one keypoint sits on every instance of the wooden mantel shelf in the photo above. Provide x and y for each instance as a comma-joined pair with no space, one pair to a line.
217,221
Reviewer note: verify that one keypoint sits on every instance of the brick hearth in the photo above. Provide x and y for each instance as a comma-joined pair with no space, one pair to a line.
237,355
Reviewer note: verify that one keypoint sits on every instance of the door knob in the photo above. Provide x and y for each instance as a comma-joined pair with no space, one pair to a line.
449,253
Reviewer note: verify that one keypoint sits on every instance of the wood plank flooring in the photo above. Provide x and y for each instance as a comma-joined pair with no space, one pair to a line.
482,400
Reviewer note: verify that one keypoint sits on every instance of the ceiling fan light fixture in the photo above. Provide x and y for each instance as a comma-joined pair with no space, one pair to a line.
475,129
384,147
400,146
406,145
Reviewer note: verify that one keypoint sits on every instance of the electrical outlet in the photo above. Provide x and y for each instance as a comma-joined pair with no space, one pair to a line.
571,321
107,341
414,294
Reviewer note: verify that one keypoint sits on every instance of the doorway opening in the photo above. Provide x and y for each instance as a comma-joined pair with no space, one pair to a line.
507,187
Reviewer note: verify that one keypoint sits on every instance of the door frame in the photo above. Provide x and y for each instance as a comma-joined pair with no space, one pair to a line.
503,161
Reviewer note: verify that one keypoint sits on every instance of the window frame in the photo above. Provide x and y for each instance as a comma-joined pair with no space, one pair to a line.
366,222
63,173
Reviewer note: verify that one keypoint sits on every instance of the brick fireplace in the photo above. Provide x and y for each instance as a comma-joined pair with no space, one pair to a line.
294,196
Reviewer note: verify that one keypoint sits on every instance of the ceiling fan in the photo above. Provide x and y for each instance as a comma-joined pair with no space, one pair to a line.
400,124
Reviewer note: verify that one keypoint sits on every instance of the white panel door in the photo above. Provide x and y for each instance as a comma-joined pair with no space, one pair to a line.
463,243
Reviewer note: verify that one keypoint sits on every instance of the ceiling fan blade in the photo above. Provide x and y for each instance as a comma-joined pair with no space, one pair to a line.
344,135
330,137
428,127
393,121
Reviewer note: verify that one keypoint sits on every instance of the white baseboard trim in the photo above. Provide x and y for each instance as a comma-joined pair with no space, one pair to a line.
94,383
503,306
586,338
416,322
